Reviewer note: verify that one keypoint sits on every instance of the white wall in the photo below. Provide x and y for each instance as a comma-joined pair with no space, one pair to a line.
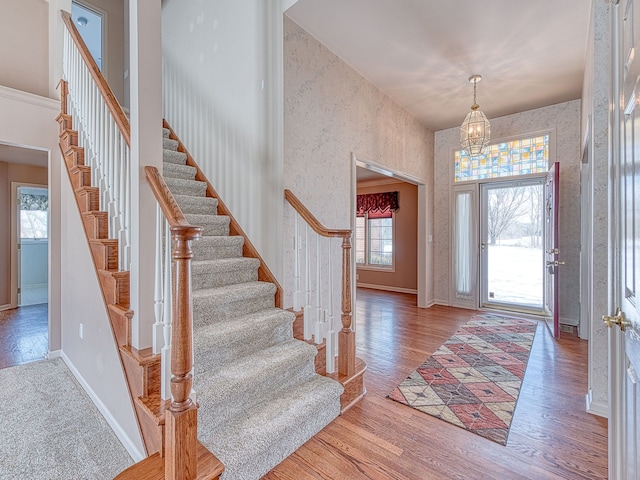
332,112
563,120
222,74
595,100
24,54
93,358
32,124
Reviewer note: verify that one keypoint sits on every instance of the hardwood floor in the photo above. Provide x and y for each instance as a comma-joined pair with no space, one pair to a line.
551,435
24,335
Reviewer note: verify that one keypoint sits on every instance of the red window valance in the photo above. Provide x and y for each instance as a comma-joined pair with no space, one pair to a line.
377,205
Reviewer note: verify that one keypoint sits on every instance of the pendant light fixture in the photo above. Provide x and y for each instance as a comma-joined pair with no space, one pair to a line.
475,131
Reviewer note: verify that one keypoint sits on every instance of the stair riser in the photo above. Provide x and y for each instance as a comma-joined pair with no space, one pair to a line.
205,209
215,230
95,224
66,123
221,278
121,325
115,287
206,252
80,177
213,355
194,190
232,402
178,158
68,139
207,310
105,255
171,170
88,199
74,156
169,144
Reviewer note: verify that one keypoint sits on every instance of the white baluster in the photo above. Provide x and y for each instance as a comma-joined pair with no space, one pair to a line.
319,317
330,328
167,317
158,299
308,310
297,294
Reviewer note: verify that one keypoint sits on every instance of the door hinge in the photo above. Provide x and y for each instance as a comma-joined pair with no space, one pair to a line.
553,251
19,290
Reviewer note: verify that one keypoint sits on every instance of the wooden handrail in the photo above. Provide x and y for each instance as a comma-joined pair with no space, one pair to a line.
110,99
167,202
181,419
313,222
346,336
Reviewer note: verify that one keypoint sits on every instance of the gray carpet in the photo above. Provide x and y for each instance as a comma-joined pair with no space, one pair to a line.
260,398
50,429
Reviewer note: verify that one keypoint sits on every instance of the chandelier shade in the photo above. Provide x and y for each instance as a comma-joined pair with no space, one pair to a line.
475,131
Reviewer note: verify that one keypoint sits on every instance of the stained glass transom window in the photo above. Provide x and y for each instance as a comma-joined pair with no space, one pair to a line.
506,159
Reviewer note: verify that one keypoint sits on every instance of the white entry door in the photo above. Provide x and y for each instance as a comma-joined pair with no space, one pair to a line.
624,393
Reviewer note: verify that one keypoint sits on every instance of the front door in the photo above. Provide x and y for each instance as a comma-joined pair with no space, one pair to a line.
624,355
551,249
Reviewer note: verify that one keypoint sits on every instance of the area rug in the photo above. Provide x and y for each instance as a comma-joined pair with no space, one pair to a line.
473,380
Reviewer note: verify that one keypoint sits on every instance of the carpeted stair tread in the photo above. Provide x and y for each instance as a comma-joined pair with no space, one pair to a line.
254,379
180,186
224,271
210,247
169,144
170,156
174,170
217,344
255,442
213,305
212,224
197,205
165,132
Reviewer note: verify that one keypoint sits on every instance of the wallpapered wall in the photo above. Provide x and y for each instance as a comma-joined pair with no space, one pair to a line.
564,120
331,111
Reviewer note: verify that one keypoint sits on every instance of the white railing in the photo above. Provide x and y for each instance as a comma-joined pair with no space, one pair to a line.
162,301
314,250
106,149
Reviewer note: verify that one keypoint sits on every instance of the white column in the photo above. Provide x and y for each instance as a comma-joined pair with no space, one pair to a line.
146,149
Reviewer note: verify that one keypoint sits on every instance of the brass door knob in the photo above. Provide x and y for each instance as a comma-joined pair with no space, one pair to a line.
617,319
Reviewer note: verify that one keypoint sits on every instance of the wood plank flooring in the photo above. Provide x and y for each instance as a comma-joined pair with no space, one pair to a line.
24,335
551,437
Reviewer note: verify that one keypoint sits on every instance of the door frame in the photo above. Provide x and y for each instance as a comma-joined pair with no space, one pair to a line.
424,297
483,296
15,252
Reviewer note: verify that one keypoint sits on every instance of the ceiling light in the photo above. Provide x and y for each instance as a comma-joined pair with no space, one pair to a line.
82,21
475,131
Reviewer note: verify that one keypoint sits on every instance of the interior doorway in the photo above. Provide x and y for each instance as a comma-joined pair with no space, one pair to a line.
32,242
512,245
90,23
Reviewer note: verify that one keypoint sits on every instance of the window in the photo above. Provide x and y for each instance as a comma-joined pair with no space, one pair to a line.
505,159
33,213
374,240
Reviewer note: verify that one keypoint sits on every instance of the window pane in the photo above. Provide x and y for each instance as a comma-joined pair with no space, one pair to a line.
462,245
381,241
360,239
33,224
505,159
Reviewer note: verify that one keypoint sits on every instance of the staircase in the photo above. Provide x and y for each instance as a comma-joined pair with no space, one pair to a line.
258,394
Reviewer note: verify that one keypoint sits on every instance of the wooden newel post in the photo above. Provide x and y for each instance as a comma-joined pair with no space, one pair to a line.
181,419
346,336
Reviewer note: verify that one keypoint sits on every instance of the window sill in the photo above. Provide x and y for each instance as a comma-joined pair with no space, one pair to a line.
374,268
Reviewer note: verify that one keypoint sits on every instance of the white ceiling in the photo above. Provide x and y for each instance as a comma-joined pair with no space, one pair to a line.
422,52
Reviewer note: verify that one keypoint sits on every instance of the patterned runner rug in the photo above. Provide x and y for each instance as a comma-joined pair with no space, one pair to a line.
474,379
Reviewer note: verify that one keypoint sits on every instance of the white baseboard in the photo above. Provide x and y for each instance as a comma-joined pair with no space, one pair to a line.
136,454
54,354
600,409
388,289
8,306
569,321
444,303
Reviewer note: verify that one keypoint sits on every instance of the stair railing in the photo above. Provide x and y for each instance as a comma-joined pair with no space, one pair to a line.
317,306
181,421
103,132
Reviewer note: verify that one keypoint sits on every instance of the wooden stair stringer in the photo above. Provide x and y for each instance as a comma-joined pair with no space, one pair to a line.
354,388
141,369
